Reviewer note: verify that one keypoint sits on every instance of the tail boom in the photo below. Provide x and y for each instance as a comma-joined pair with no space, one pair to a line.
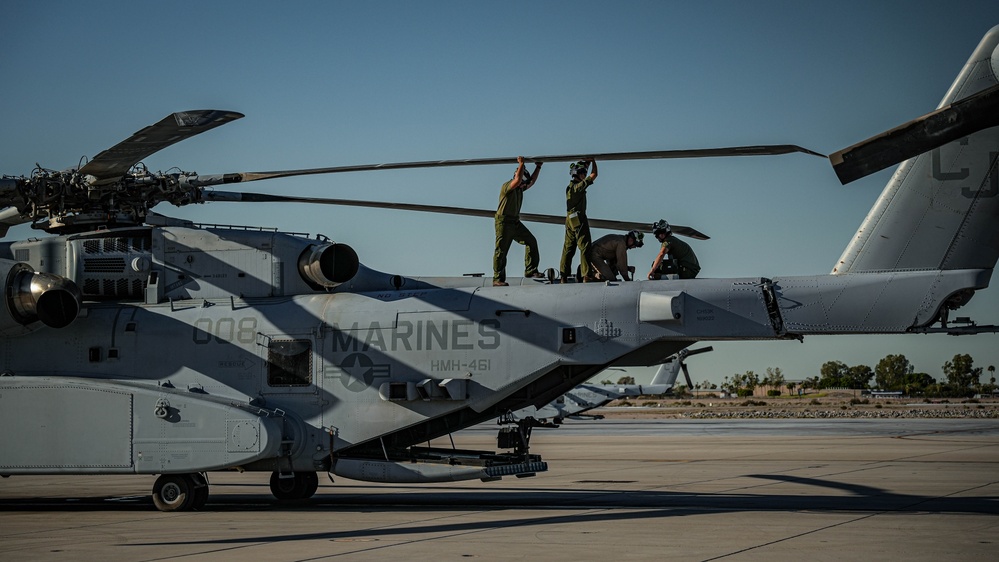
874,303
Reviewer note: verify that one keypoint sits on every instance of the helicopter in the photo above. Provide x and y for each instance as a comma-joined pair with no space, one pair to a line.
590,396
137,343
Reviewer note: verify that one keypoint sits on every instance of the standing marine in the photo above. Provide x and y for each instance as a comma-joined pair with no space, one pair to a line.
509,229
681,259
577,227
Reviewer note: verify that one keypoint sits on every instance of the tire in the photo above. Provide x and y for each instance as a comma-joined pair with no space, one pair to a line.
200,491
311,484
174,492
200,498
287,488
302,486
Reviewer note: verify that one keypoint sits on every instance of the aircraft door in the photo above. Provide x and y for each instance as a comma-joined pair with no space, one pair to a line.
292,369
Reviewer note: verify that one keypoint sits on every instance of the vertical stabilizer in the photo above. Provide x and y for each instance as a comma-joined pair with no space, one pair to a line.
940,211
667,372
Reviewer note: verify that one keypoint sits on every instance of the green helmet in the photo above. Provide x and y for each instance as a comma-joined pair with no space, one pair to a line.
577,168
661,226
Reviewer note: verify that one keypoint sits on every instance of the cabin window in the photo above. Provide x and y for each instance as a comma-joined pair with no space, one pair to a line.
289,363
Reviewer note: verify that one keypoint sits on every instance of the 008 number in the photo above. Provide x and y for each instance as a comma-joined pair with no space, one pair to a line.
225,330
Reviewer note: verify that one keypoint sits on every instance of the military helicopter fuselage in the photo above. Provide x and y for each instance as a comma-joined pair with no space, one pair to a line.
271,351
358,362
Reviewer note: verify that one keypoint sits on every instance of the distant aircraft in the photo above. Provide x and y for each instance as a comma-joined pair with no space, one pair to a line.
588,396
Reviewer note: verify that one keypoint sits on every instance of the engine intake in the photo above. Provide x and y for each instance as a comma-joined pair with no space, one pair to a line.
329,265
37,297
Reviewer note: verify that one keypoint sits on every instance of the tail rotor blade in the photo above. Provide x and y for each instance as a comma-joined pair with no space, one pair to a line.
700,350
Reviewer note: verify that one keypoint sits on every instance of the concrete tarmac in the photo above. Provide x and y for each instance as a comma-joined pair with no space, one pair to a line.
771,490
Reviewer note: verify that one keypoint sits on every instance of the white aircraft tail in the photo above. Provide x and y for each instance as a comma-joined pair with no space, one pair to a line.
669,370
667,373
940,211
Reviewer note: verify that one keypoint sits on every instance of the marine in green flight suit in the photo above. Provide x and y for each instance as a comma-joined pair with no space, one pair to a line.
509,229
577,227
687,264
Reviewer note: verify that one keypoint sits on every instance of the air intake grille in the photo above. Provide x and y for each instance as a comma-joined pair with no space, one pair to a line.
104,265
116,288
104,270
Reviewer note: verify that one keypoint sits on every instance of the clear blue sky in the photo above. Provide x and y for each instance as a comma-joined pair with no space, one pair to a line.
337,83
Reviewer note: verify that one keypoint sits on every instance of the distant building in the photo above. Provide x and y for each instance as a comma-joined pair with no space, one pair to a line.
882,393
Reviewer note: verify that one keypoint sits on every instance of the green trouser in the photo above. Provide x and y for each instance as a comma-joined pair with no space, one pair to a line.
687,273
576,237
682,271
507,232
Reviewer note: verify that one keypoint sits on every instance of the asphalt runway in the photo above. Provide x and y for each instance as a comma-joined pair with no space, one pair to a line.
908,489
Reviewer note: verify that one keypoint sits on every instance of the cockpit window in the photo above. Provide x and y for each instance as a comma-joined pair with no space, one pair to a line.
289,363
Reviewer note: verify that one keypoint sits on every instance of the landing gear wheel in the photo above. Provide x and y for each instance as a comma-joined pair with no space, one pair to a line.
311,484
299,487
175,492
200,492
200,498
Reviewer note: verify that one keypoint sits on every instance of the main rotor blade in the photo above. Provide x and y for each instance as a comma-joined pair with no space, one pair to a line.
529,217
947,124
619,225
762,150
10,192
117,160
10,217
